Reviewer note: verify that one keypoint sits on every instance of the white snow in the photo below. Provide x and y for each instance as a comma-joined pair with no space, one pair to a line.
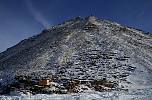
115,95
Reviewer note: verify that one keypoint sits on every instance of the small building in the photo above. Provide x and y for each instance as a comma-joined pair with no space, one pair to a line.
44,82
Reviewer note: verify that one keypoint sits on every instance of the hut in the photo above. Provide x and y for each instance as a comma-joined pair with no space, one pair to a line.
44,82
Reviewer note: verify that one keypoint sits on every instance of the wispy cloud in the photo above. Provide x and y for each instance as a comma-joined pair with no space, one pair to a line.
37,15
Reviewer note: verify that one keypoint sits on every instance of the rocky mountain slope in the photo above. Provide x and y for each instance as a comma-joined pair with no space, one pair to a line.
98,53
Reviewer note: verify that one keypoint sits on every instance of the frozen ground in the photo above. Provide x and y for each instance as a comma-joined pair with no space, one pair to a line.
138,94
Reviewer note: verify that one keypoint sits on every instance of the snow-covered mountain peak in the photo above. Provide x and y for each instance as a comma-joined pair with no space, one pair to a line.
103,54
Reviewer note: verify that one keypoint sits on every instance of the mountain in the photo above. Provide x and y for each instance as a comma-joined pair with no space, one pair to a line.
92,53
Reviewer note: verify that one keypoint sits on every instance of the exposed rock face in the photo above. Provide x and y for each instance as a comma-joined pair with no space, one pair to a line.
83,48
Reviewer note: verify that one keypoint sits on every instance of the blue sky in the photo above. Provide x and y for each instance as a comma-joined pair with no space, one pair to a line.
20,19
